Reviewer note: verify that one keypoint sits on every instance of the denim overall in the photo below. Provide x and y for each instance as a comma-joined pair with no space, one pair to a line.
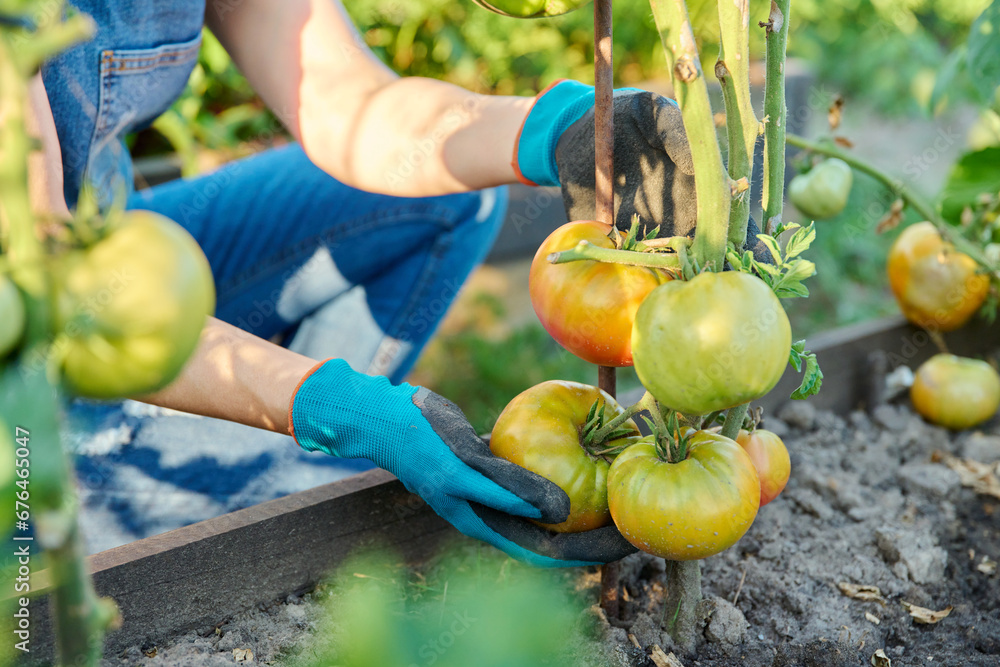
337,271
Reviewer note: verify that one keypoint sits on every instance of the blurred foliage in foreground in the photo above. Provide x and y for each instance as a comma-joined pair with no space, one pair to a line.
473,607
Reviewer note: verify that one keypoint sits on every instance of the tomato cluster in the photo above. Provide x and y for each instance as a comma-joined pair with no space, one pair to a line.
126,311
699,346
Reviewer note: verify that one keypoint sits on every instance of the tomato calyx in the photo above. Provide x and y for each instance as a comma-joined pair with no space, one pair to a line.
667,254
597,431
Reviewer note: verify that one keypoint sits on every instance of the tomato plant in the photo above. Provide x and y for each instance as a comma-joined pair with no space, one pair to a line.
710,343
822,192
687,510
11,316
936,286
955,392
589,306
543,430
770,459
132,307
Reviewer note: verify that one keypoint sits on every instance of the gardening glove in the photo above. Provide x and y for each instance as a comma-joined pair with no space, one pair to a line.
654,172
426,442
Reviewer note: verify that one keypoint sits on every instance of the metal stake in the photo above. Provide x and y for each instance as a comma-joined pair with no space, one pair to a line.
604,173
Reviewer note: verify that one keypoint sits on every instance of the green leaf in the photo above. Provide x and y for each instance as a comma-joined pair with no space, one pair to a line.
651,234
800,241
983,58
795,354
812,379
790,290
975,173
800,269
772,246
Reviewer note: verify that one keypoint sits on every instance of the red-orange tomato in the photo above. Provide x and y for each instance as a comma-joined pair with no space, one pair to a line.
589,307
936,286
770,458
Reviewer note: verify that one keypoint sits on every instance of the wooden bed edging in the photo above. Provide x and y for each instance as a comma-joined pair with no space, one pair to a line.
200,575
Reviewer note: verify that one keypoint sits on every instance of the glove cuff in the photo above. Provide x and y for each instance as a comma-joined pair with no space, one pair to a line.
348,414
555,109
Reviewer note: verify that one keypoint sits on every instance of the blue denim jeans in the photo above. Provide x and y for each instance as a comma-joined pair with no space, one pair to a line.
337,272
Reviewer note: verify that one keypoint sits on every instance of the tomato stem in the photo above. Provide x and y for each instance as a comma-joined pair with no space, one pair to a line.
775,114
600,435
734,421
742,126
587,250
713,192
896,187
683,596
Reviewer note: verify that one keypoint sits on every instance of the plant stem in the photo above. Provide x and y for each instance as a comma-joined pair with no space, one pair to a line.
600,435
81,618
911,198
742,127
712,181
587,250
683,596
734,421
776,114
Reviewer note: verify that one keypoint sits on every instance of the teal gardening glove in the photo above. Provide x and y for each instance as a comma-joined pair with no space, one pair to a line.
426,442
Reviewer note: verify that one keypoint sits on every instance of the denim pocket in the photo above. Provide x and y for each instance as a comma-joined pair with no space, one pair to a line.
136,86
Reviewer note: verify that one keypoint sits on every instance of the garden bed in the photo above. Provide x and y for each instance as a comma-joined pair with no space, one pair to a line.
866,505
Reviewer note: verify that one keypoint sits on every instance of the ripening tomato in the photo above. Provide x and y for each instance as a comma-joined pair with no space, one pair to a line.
718,340
770,458
687,510
524,9
936,286
587,306
12,316
541,430
132,307
955,392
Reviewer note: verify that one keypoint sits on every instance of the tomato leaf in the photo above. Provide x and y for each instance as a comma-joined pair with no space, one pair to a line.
800,241
983,56
792,289
800,269
772,246
975,173
812,378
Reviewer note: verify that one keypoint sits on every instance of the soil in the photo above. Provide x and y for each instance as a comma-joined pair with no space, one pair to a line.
865,505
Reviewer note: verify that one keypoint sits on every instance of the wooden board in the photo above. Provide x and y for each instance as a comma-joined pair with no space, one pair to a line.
198,576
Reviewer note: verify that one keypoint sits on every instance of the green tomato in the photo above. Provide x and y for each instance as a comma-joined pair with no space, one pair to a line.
710,343
525,9
132,308
687,510
822,192
12,316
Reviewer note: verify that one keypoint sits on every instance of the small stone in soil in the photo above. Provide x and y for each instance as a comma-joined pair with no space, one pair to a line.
932,479
982,448
798,414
